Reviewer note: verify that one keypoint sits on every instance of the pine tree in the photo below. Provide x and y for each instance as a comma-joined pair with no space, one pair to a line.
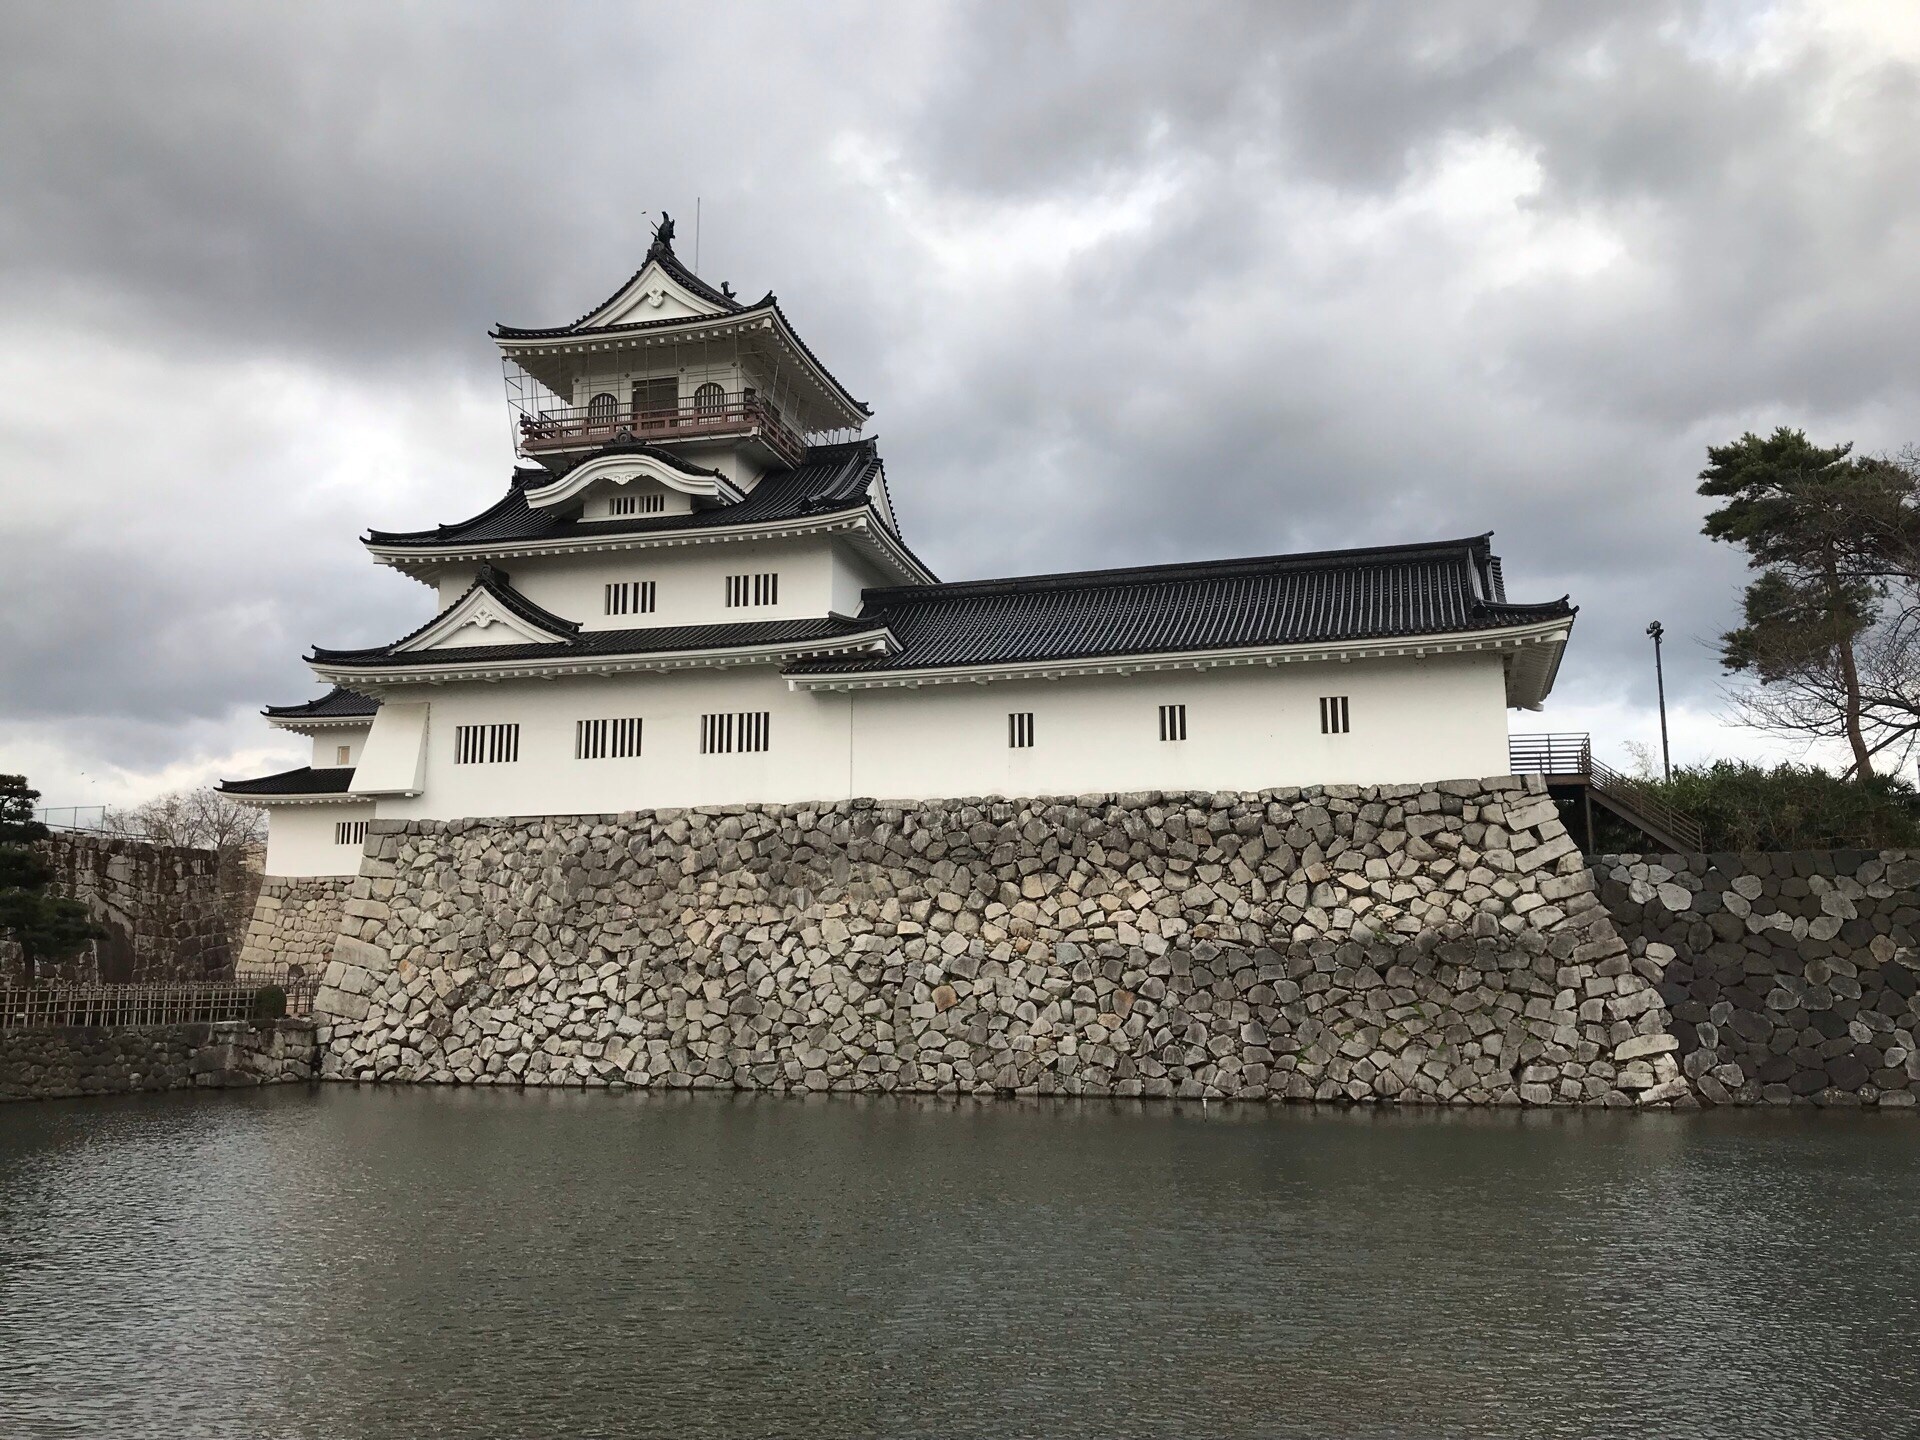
1827,533
46,927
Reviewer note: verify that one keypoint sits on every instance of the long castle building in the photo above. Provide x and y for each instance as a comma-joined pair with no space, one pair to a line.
696,591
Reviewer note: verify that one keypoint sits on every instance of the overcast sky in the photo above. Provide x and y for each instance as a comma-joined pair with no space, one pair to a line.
1122,284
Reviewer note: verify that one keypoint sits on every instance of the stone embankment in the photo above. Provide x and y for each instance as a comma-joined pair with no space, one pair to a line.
167,912
54,1063
295,922
1438,943
1788,976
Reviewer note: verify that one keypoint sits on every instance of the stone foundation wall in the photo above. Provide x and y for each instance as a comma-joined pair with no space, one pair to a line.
1790,977
86,1060
1431,944
295,921
166,910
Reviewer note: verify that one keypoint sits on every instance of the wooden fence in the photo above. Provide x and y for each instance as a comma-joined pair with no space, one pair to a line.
24,1007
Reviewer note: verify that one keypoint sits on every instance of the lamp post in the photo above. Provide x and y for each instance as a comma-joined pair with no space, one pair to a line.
1656,630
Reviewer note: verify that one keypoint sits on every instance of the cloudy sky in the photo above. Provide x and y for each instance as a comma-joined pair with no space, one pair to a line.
1122,283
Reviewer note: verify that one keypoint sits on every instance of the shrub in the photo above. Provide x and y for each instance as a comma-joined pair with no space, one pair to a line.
1741,806
269,1003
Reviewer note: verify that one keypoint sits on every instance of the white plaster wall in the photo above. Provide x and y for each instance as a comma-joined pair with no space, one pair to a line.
1248,729
808,759
300,839
326,745
691,582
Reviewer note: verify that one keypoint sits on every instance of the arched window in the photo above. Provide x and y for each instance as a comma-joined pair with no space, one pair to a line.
602,409
709,400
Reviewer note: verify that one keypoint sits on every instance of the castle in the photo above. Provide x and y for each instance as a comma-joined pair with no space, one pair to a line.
697,591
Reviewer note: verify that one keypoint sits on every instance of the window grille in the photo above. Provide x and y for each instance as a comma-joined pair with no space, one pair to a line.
726,732
486,744
350,832
342,754
1333,715
630,597
636,504
1173,722
616,739
761,589
656,402
602,408
1020,730
709,400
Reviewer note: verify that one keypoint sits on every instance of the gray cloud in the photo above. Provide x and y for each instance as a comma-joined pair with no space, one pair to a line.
1365,273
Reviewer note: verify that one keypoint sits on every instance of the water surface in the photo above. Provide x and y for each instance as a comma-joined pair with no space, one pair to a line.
397,1263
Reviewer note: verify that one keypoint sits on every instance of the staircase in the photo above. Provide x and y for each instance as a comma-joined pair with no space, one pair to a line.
1566,760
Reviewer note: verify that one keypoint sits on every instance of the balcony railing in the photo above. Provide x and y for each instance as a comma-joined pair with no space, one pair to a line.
1568,759
731,413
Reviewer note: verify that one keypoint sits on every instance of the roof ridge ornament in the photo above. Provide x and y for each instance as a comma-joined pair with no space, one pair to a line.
663,232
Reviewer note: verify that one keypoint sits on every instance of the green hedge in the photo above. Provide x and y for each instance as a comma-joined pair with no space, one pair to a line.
1742,806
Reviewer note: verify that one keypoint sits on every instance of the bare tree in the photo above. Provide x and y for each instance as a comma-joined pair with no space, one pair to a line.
206,819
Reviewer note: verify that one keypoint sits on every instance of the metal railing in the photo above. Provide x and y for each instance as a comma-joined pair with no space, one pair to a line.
1569,757
32,1007
728,413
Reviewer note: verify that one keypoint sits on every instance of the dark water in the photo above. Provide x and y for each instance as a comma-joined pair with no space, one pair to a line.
435,1263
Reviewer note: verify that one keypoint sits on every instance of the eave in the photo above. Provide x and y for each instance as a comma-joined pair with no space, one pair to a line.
407,670
1547,639
268,801
858,524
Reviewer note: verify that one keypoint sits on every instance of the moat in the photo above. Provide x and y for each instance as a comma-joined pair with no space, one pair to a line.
370,1263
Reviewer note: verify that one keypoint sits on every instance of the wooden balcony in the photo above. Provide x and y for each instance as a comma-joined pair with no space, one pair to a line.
741,414
1567,763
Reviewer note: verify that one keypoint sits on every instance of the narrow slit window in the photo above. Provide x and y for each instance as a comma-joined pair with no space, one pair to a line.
486,744
1020,730
350,832
761,589
636,504
343,754
1173,722
630,597
1333,715
730,732
610,739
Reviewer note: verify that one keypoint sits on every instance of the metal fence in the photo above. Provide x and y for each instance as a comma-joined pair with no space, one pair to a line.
25,1007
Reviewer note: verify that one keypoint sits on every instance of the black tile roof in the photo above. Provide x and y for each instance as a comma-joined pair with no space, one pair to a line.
339,703
1446,586
304,781
603,644
831,479
662,251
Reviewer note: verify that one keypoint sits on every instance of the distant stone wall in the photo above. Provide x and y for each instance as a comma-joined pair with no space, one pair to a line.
1434,944
1790,977
295,920
53,1064
166,911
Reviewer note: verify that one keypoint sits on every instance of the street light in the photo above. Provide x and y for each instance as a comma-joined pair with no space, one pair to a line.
1656,630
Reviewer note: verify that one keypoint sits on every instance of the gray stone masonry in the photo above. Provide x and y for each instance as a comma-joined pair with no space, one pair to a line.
1436,944
87,1060
1791,978
295,921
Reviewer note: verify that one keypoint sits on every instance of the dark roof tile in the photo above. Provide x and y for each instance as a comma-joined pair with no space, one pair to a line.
304,781
1335,595
652,640
339,703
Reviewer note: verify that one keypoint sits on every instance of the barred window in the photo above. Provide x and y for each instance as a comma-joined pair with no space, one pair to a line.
602,408
761,589
1020,730
617,739
636,505
709,400
350,832
1173,722
631,597
1333,715
486,744
726,732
